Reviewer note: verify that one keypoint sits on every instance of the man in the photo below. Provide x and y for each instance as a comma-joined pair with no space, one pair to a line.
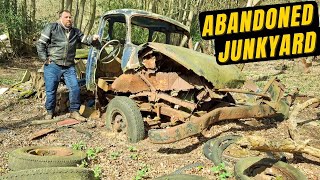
56,47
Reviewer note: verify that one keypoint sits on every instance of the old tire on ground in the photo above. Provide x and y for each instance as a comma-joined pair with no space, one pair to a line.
180,177
245,168
214,148
44,156
123,115
52,173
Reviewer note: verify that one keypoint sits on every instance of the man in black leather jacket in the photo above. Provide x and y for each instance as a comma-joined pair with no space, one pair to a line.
57,47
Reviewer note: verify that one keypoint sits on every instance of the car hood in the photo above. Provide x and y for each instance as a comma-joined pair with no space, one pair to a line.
221,76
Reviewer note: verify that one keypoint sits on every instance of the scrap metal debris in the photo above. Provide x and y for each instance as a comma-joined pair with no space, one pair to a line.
41,133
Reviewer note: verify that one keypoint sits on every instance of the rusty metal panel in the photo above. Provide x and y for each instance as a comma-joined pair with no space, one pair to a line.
41,132
150,63
203,65
129,83
160,81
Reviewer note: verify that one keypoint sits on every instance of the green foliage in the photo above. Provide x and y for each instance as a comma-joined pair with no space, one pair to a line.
22,29
132,149
134,156
199,168
279,178
97,172
5,81
221,171
115,155
79,146
84,164
93,152
142,172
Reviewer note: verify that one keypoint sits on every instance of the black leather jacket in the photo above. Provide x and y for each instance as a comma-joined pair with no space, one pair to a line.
54,45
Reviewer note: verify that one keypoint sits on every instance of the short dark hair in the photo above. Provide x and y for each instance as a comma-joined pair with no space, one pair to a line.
62,11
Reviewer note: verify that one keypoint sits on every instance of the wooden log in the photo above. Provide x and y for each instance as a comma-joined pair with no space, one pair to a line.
37,80
285,145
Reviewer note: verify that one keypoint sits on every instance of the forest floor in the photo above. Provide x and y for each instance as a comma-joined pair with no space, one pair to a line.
121,160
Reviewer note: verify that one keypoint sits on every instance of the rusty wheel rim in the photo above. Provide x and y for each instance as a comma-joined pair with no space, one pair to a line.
50,152
118,122
269,172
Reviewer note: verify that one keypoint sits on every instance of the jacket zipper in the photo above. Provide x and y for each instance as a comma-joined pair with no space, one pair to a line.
66,49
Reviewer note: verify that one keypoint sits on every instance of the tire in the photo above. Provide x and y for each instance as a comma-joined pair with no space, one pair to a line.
247,165
180,177
129,120
53,173
214,148
32,157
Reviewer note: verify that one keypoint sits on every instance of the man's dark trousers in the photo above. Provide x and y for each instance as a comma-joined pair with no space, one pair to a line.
52,76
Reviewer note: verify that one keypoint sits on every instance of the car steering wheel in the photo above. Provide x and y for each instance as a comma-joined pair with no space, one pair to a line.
116,45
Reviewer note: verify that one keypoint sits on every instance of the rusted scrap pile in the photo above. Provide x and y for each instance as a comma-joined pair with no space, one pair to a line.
187,92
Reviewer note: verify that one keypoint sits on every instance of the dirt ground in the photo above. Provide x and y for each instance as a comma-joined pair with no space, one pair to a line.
118,160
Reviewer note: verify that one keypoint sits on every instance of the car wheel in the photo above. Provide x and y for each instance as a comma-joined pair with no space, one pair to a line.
44,156
124,116
214,148
52,173
265,168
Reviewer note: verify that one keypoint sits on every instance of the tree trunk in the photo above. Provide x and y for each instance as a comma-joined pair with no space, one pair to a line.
69,5
76,14
25,20
170,9
184,16
179,15
82,4
150,6
193,11
33,11
92,15
62,5
14,31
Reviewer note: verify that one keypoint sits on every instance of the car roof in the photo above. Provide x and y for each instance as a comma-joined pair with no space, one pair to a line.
173,25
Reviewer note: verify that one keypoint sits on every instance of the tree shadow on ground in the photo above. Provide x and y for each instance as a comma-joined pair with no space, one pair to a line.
202,139
21,123
299,158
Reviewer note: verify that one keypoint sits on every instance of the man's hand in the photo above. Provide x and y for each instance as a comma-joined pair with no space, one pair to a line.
95,37
48,61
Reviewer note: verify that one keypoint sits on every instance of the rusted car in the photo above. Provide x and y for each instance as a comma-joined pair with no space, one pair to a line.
147,78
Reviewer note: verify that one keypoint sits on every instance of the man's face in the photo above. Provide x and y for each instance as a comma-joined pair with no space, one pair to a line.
66,19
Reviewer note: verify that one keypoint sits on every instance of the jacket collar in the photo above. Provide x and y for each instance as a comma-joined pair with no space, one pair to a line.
64,27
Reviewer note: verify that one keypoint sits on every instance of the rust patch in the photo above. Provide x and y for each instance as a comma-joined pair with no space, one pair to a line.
160,81
156,96
150,63
175,114
68,122
42,132
51,151
196,125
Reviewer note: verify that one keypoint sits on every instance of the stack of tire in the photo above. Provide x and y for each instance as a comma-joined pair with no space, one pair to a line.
246,167
47,163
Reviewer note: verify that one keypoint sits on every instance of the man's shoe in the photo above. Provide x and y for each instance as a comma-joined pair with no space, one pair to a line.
48,117
76,115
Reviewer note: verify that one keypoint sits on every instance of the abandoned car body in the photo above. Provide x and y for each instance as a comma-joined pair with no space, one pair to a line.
149,79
